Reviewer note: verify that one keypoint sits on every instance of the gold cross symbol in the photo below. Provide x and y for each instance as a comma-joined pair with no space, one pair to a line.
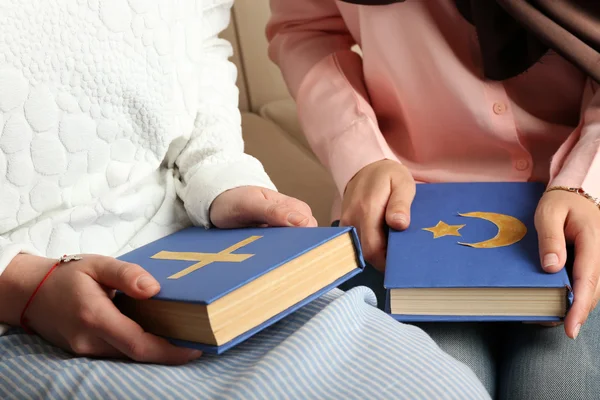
206,258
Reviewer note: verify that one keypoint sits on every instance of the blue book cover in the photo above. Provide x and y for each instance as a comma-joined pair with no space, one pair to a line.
470,235
200,266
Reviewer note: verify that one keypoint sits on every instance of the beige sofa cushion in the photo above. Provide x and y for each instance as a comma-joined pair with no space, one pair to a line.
283,113
291,170
263,78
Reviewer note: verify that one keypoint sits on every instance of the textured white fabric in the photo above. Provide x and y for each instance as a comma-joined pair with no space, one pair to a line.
118,123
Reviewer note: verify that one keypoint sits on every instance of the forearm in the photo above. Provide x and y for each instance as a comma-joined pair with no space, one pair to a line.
10,249
338,119
312,46
17,283
577,162
213,160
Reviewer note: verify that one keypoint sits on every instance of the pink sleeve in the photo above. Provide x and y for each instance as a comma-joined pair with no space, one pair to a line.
310,43
577,162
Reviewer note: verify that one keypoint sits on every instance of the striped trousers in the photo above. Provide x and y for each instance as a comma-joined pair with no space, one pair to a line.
337,347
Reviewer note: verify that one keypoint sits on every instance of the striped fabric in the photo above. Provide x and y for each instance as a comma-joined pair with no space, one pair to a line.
337,347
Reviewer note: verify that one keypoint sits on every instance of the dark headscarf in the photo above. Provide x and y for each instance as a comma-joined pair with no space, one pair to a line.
514,34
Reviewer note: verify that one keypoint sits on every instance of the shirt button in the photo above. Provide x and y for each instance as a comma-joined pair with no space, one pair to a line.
499,108
522,165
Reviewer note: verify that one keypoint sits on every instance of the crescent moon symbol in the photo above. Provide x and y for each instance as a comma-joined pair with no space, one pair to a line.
510,230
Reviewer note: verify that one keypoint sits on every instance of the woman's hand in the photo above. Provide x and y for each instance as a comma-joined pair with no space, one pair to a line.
381,193
563,216
74,310
254,206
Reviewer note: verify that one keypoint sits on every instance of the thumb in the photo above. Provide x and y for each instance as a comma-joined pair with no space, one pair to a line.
397,214
551,237
129,278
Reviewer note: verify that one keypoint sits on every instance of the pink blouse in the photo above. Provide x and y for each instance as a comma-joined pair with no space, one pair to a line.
417,95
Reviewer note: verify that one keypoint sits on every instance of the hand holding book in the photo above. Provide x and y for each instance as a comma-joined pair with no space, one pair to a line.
379,194
562,217
74,310
221,286
74,307
473,250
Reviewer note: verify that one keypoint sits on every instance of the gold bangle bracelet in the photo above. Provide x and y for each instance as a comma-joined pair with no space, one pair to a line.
579,191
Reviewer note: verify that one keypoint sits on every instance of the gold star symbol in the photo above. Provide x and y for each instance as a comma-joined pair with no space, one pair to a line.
443,229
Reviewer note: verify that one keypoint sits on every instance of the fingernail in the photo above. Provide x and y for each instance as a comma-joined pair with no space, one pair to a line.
576,332
550,260
400,218
145,283
194,354
296,218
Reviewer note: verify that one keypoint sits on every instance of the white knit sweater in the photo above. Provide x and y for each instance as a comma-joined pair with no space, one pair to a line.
118,123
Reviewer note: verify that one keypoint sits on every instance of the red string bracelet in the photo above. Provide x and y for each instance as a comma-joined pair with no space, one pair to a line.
23,320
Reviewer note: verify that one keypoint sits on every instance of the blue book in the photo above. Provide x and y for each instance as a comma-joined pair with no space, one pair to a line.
471,254
220,287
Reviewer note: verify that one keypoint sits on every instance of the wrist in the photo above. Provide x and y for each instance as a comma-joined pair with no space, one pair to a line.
576,190
17,284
